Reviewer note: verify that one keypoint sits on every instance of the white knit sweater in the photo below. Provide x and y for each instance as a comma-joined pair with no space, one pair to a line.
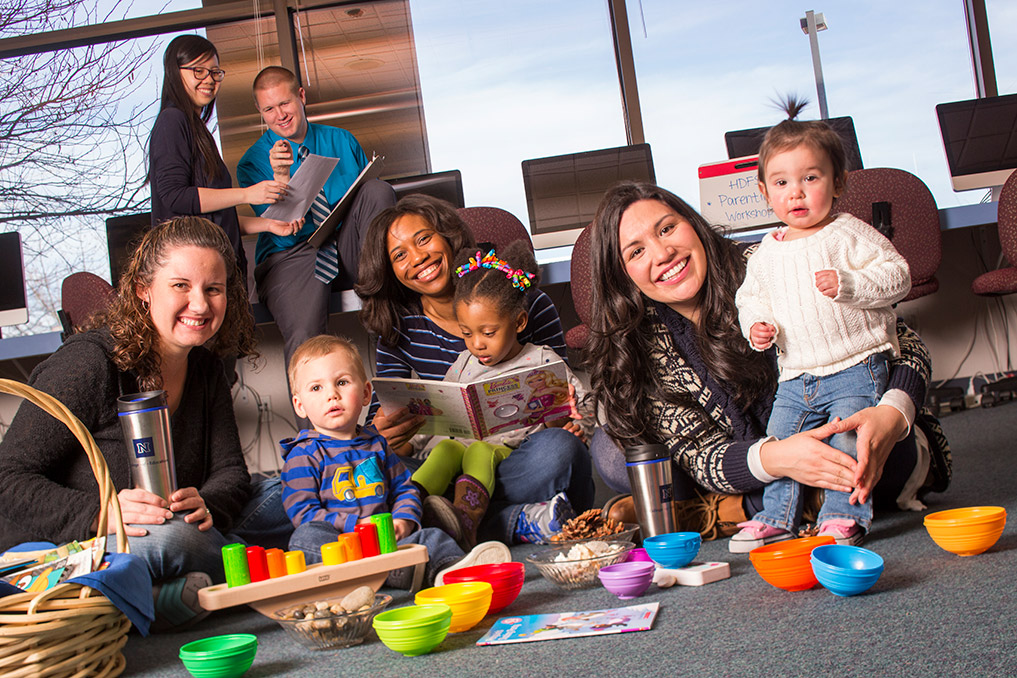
817,334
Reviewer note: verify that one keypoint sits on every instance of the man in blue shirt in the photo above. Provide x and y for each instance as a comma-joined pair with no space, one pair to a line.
290,274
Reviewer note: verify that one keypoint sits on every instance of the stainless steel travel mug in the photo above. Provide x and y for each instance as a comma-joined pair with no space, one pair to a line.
145,420
649,469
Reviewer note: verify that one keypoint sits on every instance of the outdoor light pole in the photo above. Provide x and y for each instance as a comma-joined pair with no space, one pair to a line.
811,24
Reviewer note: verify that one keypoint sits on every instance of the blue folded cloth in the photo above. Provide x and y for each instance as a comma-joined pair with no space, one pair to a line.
128,585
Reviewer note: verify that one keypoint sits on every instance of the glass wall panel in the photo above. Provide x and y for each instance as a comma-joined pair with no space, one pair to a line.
1002,16
704,70
504,82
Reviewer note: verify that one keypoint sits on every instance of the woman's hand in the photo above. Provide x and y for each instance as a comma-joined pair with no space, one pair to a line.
398,429
572,427
805,458
137,507
878,428
265,192
188,499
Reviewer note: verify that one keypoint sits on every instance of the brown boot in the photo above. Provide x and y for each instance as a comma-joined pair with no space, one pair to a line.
460,518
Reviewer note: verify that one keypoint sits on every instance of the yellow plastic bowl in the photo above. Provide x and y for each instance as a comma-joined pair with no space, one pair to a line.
469,601
966,531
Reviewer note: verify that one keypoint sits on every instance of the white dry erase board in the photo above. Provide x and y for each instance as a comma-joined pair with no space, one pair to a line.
729,194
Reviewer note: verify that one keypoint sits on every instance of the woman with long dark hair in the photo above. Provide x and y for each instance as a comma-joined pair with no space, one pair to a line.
406,272
669,365
187,173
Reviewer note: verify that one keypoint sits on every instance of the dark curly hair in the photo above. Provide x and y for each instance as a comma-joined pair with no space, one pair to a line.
494,285
135,339
623,381
384,299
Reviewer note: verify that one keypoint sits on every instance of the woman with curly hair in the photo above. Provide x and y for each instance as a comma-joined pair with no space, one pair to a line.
179,308
668,365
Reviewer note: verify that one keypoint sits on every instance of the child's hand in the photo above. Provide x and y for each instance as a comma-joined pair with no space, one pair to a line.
403,528
761,335
574,428
827,283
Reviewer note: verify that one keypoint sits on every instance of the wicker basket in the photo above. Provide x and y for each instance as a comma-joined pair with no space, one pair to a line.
70,629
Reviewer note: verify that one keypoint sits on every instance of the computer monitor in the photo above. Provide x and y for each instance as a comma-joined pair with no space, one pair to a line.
445,185
564,191
13,293
980,139
123,234
741,143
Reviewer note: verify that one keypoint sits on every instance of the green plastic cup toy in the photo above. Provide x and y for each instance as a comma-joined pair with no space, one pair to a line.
234,561
386,532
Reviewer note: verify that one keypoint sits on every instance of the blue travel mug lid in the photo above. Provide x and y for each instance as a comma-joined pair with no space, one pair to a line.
141,402
641,454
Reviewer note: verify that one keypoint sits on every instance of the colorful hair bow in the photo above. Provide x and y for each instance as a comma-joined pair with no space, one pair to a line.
520,278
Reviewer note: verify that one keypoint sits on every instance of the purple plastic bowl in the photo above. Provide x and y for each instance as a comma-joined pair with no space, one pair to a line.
628,579
639,555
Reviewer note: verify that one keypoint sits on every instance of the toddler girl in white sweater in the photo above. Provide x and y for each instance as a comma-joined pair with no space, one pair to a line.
821,288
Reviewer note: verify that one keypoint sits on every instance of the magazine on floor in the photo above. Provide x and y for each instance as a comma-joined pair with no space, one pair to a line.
528,628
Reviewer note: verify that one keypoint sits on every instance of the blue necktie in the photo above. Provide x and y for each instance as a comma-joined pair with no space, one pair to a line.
326,266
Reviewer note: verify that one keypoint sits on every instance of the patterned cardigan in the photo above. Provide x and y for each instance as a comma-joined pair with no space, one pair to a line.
709,436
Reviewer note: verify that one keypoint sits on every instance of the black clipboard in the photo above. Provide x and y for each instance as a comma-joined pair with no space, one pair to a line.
338,213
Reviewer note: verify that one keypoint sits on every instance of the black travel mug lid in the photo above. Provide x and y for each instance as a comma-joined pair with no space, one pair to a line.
643,453
139,402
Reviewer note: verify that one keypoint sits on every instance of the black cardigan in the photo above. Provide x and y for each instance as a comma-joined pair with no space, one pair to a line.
176,173
47,489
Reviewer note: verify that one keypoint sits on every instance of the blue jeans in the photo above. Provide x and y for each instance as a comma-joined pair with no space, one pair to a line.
805,403
442,551
546,463
175,548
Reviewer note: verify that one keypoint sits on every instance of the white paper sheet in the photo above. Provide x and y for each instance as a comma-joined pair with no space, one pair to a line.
304,185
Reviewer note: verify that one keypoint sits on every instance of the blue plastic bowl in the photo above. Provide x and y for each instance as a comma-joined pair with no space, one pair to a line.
674,549
846,570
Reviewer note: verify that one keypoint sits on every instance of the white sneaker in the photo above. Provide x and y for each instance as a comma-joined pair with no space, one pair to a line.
486,553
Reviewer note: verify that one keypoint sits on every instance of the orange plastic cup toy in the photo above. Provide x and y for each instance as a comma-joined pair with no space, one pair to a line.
276,563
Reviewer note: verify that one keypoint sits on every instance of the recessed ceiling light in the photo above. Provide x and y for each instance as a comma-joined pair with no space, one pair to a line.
364,64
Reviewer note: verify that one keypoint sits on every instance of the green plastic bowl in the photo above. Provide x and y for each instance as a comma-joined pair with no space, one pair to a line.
220,656
414,630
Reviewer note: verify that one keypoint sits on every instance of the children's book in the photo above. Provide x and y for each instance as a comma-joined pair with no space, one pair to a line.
515,399
533,627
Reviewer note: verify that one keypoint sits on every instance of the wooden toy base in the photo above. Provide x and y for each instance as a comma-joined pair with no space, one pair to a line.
317,582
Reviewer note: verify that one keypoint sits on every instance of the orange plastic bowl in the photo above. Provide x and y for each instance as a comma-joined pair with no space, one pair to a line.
787,564
966,531
505,578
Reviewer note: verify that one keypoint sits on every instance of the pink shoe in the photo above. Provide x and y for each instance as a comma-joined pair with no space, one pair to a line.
755,534
844,531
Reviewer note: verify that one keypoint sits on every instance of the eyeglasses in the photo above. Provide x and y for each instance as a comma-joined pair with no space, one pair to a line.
200,72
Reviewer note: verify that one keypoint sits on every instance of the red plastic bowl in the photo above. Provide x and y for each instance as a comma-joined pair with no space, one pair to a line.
505,578
787,564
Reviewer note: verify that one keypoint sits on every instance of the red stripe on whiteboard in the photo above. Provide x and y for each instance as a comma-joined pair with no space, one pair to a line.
733,166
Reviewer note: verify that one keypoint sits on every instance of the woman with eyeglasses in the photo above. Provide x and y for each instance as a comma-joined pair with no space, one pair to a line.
187,174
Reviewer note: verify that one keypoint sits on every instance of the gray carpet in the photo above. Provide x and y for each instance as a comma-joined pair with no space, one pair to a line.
931,614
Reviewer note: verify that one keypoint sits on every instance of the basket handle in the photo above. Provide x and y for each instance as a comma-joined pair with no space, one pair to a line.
107,492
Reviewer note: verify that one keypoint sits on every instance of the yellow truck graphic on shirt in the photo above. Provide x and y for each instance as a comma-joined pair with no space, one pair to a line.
356,482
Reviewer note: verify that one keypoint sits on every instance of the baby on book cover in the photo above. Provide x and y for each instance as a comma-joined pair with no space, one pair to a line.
479,410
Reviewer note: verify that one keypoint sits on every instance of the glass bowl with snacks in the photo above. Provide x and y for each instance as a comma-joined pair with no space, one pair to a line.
333,624
591,525
576,566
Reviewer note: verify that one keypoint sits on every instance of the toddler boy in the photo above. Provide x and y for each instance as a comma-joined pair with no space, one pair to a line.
339,474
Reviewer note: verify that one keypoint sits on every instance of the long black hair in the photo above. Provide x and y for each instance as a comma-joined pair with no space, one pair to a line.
384,299
182,50
623,380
